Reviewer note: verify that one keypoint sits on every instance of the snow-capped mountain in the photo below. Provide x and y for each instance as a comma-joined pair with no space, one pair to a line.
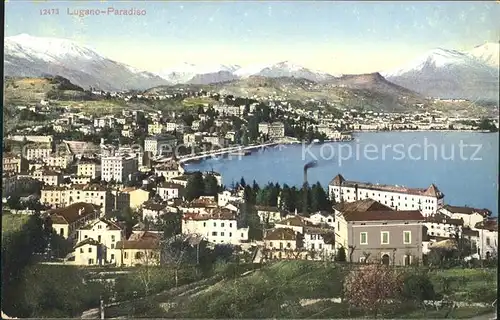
447,74
186,73
29,56
284,69
488,53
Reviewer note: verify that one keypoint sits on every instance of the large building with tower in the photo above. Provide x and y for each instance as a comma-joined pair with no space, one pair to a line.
428,200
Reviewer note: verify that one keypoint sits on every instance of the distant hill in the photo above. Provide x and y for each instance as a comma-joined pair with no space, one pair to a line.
370,91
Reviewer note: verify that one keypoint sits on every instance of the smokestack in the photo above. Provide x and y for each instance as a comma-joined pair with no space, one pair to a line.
307,166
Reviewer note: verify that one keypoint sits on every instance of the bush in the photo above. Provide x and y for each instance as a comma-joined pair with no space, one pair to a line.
341,256
418,287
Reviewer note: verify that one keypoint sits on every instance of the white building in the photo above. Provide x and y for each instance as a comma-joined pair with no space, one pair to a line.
470,216
168,191
118,168
160,144
323,217
320,243
89,168
224,197
106,233
440,225
428,201
215,228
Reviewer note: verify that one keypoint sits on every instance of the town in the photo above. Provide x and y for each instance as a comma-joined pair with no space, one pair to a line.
112,190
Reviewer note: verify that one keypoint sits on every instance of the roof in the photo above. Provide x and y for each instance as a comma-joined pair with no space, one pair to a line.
296,221
221,214
89,241
467,210
323,213
469,232
111,225
490,225
141,241
431,191
154,206
72,213
441,218
411,215
281,234
170,185
362,206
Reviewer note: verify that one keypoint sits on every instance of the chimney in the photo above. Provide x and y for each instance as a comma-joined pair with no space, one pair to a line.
356,191
80,211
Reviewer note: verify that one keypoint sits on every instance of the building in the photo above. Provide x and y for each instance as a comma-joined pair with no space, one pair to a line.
225,197
118,168
106,234
392,237
104,122
283,243
218,227
168,191
89,168
152,211
192,139
428,201
38,139
37,150
160,144
319,243
156,128
440,225
66,221
141,248
169,170
323,217
136,196
14,163
87,253
269,214
470,216
488,238
59,196
274,130
48,177
296,223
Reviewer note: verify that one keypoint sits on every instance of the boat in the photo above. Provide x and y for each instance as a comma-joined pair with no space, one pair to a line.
315,141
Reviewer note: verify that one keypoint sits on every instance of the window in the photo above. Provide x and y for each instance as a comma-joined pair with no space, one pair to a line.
242,235
113,238
363,238
407,260
230,225
384,235
320,246
90,249
204,224
222,224
281,245
99,238
90,261
406,237
230,234
215,224
81,250
271,244
125,255
487,241
288,245
222,234
312,246
112,246
112,256
214,233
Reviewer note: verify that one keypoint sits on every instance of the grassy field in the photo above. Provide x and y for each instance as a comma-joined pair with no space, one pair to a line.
12,223
195,102
276,291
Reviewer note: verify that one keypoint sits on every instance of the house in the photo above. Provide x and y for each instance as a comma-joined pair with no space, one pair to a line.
218,227
296,223
14,163
169,170
169,191
136,196
66,221
283,243
224,197
319,243
393,237
89,168
428,200
56,196
87,253
106,233
140,249
323,217
441,225
470,216
151,211
47,176
269,214
160,144
488,238
37,150
118,168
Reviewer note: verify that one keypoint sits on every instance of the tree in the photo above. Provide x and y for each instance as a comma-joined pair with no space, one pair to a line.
174,252
195,186
417,288
211,187
372,287
341,256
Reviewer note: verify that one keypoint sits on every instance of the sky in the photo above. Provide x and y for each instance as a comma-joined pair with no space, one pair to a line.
335,37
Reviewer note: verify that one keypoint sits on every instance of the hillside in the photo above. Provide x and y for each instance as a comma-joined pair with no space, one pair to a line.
372,91
296,289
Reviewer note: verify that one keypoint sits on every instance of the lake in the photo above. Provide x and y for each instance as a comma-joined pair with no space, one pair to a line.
463,165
